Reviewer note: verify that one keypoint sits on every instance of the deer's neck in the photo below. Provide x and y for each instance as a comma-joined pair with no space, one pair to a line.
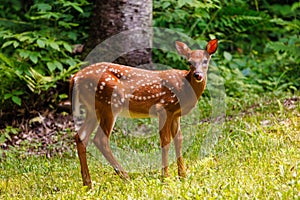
198,87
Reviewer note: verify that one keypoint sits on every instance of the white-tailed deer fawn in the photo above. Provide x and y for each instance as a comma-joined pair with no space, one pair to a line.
107,90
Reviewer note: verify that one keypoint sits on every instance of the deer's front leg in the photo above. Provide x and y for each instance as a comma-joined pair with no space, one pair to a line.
177,136
165,139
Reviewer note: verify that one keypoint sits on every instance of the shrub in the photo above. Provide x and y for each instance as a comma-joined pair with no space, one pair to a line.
37,44
259,41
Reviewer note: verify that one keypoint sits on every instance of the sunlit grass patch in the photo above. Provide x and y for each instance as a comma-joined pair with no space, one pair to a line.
257,156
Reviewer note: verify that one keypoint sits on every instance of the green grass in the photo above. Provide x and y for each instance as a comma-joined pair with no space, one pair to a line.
257,157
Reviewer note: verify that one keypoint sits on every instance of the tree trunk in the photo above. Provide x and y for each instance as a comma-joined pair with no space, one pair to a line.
112,17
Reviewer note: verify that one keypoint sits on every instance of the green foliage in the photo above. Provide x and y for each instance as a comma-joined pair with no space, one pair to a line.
259,44
7,132
258,51
36,41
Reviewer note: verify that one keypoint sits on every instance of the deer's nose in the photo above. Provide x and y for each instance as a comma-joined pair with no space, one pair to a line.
198,76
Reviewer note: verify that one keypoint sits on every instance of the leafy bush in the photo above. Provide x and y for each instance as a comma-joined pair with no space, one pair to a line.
258,51
259,41
37,44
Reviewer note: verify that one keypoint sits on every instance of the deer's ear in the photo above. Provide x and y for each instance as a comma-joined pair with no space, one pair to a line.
183,49
212,46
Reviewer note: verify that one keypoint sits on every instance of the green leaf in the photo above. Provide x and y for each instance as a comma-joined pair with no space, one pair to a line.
7,96
227,55
55,65
24,53
295,6
54,45
63,96
70,61
18,92
165,4
16,44
7,60
13,130
73,36
181,3
41,43
58,65
64,24
24,38
43,7
16,100
34,58
67,25
51,66
77,8
67,47
8,43
74,5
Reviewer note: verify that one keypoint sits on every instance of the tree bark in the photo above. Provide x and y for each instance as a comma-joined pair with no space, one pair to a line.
111,17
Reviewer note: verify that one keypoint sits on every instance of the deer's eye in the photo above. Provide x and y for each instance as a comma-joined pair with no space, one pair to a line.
205,62
190,63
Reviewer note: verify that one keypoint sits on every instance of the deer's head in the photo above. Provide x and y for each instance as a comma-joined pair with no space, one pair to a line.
198,59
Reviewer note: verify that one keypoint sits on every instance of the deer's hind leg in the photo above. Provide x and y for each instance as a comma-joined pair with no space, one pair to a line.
101,140
81,139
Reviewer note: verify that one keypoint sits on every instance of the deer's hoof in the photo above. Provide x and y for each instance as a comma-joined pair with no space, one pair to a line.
182,174
88,184
122,174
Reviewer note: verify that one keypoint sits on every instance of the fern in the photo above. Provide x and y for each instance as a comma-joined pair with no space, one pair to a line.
279,46
292,50
234,19
295,6
290,25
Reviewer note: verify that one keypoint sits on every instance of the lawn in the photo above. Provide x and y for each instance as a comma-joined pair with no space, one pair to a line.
256,156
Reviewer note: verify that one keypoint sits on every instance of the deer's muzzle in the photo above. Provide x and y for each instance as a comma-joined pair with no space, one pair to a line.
199,76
